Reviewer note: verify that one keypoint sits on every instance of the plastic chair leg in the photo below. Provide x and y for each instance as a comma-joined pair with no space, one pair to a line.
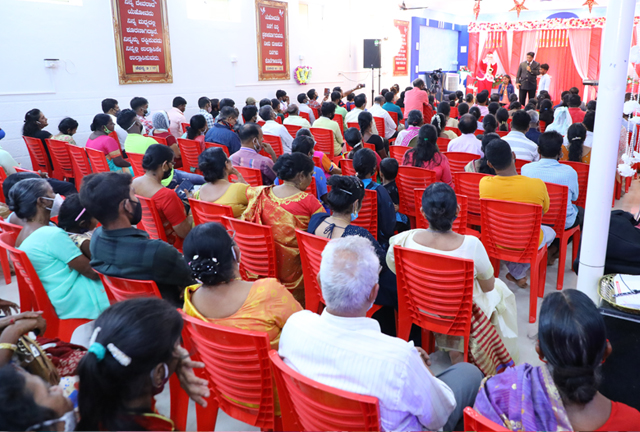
496,266
403,326
428,341
564,245
207,417
576,245
542,274
6,268
179,403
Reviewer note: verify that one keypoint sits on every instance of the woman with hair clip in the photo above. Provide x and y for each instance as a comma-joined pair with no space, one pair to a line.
493,343
217,168
134,350
345,202
502,117
438,121
574,148
408,136
426,155
489,124
99,139
221,297
197,130
563,393
481,165
365,122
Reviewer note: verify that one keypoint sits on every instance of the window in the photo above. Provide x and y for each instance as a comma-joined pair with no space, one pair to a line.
214,10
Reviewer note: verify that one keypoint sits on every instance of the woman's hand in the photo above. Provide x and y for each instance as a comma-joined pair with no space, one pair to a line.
23,323
236,173
196,388
6,306
14,319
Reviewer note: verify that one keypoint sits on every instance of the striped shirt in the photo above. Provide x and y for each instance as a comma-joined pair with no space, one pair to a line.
522,146
208,117
249,158
352,354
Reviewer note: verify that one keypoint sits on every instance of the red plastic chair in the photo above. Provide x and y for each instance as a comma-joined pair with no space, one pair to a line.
408,179
18,169
305,115
583,180
435,292
468,184
121,289
459,225
261,123
258,249
38,155
13,231
308,405
511,232
394,116
397,152
556,217
98,161
114,135
443,144
239,372
459,160
135,159
62,168
56,327
368,214
380,126
474,421
293,129
502,133
453,129
276,144
184,127
324,140
253,176
353,125
318,162
160,140
151,220
340,120
316,112
346,165
278,120
225,149
3,177
80,163
189,152
312,189
519,164
543,126
205,212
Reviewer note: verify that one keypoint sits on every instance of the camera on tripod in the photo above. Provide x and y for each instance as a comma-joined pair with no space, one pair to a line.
436,75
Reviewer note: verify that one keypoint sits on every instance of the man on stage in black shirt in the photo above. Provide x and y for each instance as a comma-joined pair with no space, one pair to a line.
526,79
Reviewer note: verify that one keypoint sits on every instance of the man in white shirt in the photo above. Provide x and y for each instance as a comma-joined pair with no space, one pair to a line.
294,117
588,122
303,101
482,102
271,127
522,146
110,107
467,142
176,116
344,349
352,116
545,78
376,110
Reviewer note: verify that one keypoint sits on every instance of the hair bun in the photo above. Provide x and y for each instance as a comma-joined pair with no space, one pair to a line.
203,267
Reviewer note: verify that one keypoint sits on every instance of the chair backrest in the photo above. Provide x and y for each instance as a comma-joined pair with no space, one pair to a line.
353,125
318,162
253,176
583,180
324,140
312,189
310,406
114,135
398,151
443,144
453,129
340,120
98,160
408,179
238,369
184,127
189,151
459,224
435,291
257,247
79,162
279,119
261,122
474,421
458,160
380,125
136,163
316,112
62,168
120,289
151,220
275,142
468,184
293,129
225,149
394,116
160,140
205,212
502,133
3,177
520,163
304,115
311,247
510,230
556,216
7,227
346,165
368,214
38,155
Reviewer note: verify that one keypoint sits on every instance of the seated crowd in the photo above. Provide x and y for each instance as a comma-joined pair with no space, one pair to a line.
77,237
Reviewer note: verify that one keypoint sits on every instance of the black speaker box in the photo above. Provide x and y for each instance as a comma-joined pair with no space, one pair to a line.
372,54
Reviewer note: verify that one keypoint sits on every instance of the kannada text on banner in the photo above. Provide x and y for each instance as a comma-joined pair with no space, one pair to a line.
273,40
400,61
142,41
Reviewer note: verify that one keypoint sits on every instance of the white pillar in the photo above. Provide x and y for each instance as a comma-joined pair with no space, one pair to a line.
614,60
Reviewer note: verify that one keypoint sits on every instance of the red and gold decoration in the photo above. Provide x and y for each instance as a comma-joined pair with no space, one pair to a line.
550,24
553,39
476,9
519,7
591,4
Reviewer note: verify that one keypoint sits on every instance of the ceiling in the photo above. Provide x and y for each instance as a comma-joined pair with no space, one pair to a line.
499,6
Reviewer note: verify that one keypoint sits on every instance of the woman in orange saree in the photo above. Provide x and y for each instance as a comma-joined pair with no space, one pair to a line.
286,208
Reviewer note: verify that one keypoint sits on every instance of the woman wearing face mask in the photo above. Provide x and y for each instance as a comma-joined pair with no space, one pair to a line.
100,140
134,350
158,163
73,287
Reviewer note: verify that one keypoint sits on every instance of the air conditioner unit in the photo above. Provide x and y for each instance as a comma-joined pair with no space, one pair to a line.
451,82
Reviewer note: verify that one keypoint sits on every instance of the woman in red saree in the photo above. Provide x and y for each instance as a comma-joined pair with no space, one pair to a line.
286,208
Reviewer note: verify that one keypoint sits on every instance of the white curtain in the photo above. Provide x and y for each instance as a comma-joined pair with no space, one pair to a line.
529,43
580,41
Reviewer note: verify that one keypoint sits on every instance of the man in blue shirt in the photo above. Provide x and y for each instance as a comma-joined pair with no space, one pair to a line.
222,132
533,133
390,106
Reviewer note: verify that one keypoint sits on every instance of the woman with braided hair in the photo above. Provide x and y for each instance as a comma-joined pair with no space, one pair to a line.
439,122
426,155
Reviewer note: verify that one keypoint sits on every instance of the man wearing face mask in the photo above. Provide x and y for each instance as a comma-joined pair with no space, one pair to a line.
110,107
141,107
222,132
248,156
118,249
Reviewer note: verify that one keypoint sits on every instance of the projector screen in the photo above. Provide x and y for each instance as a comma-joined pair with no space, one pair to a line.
438,49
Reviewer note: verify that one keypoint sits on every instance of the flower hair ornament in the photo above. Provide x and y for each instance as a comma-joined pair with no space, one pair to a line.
438,121
100,351
200,265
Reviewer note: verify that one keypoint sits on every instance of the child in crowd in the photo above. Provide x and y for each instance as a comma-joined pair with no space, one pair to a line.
77,222
389,172
67,127
350,101
277,107
353,137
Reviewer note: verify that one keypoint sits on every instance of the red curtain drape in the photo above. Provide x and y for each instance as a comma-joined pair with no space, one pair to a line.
472,60
561,68
516,48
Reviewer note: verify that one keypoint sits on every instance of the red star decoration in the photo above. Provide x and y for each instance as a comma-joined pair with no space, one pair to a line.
590,3
519,7
476,9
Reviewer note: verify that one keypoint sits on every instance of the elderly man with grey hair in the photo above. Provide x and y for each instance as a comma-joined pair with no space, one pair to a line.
344,349
534,126
271,127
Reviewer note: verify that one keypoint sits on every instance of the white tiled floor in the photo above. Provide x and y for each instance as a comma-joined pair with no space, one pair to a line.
526,332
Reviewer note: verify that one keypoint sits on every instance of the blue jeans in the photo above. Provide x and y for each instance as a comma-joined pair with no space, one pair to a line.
180,176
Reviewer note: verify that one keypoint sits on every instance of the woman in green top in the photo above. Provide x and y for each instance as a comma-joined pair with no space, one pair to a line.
74,289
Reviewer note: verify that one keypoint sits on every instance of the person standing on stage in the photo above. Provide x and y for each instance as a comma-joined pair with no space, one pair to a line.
526,78
545,78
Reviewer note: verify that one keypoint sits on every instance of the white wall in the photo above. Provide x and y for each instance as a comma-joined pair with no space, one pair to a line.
82,37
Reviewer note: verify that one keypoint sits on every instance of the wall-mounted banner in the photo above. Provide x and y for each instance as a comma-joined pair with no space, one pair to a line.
272,23
401,60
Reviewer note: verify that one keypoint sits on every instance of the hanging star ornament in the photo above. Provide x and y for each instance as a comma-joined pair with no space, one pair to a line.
476,9
591,4
519,7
